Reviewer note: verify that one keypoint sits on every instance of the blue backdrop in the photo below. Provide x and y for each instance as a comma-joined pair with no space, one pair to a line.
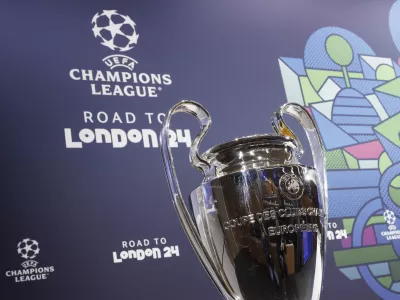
85,85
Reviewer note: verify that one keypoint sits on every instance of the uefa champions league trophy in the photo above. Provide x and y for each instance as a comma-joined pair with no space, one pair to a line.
258,221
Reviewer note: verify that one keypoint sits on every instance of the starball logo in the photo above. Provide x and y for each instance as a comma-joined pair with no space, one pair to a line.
28,249
390,219
119,33
123,27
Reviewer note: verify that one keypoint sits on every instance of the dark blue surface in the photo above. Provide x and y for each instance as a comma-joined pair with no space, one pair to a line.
80,204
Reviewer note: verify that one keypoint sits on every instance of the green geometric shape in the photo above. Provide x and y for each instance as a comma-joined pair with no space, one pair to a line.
395,182
395,270
384,162
339,50
335,159
376,220
395,193
348,225
390,88
385,281
309,94
351,160
390,128
356,75
366,255
318,77
385,72
349,222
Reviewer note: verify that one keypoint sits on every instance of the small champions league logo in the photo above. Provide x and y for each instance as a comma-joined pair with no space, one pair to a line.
291,186
393,233
28,249
390,219
117,32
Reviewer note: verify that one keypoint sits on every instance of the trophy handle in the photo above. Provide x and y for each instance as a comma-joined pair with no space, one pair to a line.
314,138
203,117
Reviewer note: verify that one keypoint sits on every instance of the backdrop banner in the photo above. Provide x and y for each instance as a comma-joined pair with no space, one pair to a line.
86,211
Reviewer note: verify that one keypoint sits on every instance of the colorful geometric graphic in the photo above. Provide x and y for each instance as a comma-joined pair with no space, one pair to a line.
354,97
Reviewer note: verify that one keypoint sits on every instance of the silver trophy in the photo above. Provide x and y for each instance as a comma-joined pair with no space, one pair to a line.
258,221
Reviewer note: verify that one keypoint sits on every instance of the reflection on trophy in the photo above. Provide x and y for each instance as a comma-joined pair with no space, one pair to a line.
258,220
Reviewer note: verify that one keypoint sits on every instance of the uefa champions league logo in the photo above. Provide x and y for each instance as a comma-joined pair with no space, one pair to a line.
29,249
390,219
393,233
118,33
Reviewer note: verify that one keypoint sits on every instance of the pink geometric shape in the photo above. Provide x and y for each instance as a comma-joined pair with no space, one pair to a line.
346,243
369,236
309,110
370,150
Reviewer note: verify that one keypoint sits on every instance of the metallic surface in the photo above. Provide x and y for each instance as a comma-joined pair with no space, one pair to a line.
258,220
264,245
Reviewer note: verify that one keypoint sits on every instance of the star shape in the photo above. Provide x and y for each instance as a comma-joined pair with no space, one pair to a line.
114,28
133,38
109,13
128,20
96,30
95,17
108,44
126,48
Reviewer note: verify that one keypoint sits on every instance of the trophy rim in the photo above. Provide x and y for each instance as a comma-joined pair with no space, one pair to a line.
272,140
254,169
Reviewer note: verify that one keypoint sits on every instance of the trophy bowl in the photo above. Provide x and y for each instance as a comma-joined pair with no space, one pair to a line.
258,220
